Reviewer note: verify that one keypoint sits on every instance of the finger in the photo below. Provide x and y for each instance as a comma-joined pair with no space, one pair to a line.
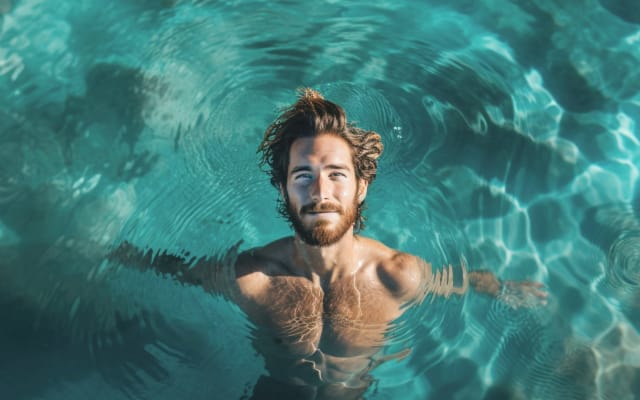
540,293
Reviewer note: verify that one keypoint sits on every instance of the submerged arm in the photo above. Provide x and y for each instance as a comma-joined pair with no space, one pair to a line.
412,279
442,283
209,273
514,293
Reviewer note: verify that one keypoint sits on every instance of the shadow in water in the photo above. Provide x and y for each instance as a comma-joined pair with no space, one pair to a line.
38,355
67,331
113,104
5,7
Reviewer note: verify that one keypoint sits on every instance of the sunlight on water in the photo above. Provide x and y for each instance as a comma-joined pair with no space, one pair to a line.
511,145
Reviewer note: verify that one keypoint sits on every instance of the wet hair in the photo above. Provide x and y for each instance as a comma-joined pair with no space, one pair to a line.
311,115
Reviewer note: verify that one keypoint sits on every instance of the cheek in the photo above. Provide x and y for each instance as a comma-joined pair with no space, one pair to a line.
346,192
294,192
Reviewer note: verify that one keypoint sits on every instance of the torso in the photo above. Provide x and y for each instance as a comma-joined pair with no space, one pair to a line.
317,334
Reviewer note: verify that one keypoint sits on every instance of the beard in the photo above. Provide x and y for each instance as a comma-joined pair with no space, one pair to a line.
321,233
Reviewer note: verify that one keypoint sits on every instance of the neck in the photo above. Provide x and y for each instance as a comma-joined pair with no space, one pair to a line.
324,263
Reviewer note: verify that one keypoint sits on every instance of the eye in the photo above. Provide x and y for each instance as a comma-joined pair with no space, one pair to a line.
303,176
338,175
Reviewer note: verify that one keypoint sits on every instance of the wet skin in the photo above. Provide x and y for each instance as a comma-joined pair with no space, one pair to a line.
324,330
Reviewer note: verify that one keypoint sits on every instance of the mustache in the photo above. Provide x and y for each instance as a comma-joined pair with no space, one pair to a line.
320,207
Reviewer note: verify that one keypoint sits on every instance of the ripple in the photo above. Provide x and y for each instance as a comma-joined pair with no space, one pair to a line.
624,260
370,109
503,102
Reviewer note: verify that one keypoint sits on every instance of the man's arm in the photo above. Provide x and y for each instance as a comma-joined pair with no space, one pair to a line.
213,275
514,293
410,278
445,283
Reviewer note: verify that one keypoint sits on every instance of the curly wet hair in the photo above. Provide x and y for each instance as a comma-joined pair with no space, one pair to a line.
313,115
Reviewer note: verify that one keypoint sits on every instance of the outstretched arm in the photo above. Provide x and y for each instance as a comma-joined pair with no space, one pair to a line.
514,293
213,275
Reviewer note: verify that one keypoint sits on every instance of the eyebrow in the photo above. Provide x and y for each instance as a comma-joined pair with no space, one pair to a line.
330,166
338,166
300,168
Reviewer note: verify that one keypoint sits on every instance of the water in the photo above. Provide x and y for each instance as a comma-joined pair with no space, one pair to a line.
510,136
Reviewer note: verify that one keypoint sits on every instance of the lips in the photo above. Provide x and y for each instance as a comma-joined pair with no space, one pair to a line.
322,215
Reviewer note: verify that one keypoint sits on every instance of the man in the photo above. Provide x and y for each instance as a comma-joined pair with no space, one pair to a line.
323,299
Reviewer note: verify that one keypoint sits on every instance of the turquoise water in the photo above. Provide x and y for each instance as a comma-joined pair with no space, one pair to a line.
511,140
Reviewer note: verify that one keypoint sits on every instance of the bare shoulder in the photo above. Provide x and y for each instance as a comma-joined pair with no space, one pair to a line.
255,266
401,273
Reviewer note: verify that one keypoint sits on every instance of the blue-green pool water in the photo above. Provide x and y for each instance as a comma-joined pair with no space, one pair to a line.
511,140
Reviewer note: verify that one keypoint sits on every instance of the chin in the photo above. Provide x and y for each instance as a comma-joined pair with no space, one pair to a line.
321,231
323,236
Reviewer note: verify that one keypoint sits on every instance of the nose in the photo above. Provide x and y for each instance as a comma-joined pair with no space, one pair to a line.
320,189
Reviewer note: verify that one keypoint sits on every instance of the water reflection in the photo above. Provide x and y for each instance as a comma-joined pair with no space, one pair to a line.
127,122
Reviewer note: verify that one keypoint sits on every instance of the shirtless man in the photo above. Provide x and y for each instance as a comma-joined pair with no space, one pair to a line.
323,299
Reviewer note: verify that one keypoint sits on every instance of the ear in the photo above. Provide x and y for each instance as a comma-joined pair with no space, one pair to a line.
282,191
362,190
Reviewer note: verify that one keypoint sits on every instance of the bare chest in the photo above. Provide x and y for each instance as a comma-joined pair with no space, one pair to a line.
348,318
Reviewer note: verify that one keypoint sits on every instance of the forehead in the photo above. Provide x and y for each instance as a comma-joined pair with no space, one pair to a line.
325,148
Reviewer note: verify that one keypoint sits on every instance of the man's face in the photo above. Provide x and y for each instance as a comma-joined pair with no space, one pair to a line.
322,192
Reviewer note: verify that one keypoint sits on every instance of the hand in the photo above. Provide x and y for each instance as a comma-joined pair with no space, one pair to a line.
523,294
